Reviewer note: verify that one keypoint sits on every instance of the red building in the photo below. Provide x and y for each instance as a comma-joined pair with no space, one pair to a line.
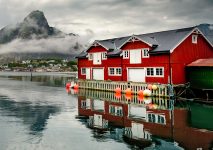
159,57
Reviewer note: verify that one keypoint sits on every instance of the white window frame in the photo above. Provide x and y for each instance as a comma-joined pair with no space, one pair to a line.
194,38
90,56
115,71
162,72
104,57
116,109
143,52
153,71
124,56
82,71
154,74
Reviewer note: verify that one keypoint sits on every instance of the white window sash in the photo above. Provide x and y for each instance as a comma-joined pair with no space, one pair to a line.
115,72
143,51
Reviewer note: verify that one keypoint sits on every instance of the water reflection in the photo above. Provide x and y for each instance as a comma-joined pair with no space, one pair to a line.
45,79
150,123
34,116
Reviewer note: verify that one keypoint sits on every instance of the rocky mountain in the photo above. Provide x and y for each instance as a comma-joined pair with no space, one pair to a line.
34,37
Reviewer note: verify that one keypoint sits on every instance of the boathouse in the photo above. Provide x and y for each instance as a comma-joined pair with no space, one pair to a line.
159,57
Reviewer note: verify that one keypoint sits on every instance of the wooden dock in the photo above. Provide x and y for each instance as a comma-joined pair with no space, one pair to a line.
163,90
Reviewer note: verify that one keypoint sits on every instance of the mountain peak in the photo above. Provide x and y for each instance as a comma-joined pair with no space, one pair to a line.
34,25
36,18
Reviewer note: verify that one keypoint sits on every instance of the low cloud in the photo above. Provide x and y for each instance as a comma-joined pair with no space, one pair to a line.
66,45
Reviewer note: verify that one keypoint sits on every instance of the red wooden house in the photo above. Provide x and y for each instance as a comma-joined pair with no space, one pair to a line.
159,57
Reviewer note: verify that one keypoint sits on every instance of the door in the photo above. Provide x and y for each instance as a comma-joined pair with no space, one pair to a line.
136,74
98,74
88,73
98,120
97,58
137,130
135,56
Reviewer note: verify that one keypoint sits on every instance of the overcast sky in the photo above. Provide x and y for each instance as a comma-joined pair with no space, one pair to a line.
111,18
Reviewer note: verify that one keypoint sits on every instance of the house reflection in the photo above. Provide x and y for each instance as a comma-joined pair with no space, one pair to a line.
152,122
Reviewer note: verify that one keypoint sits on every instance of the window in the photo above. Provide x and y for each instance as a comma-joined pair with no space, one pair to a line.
159,71
125,54
111,71
150,71
116,110
118,71
104,56
194,39
114,71
83,71
156,118
155,72
145,53
90,56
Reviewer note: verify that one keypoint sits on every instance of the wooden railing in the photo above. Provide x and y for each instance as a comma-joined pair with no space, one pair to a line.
162,102
161,91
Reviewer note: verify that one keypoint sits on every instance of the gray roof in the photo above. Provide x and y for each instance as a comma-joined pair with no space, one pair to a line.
162,42
207,30
83,54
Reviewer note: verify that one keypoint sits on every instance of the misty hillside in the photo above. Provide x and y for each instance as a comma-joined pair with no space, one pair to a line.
34,38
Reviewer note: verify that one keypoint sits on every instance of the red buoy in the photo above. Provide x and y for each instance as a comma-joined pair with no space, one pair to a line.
76,86
68,85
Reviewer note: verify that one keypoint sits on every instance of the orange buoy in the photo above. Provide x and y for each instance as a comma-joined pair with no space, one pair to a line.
128,91
118,90
128,96
154,87
118,95
76,86
75,91
149,86
140,97
140,92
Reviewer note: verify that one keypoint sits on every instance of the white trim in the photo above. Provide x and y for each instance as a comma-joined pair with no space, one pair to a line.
194,38
134,37
93,44
143,41
188,36
205,38
143,49
123,51
115,74
89,56
102,54
82,69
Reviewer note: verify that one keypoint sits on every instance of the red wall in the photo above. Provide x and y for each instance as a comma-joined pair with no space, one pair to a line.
109,62
152,61
186,53
96,49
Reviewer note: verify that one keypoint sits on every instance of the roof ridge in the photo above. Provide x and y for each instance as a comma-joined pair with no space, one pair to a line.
110,39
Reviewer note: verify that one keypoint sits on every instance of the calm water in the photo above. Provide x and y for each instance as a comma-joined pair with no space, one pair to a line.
41,115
